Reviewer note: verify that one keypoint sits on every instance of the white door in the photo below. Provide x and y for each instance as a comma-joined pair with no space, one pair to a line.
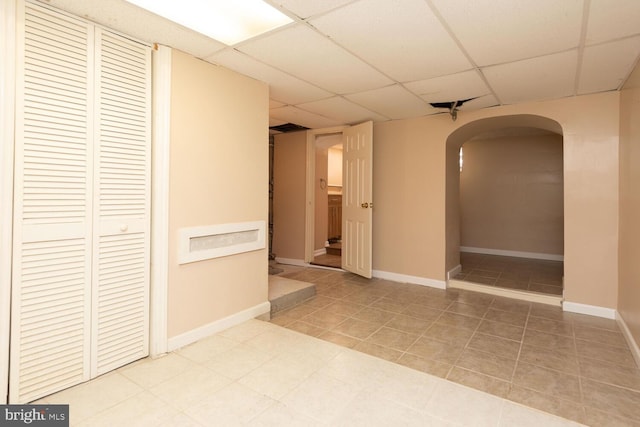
81,214
120,285
357,202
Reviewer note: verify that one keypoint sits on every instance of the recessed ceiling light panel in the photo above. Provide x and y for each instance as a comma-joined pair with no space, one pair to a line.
227,21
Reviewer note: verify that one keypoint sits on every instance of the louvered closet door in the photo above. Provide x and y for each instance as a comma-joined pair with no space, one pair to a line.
81,213
122,158
51,303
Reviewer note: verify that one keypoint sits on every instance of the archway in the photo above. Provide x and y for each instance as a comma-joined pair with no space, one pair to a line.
516,124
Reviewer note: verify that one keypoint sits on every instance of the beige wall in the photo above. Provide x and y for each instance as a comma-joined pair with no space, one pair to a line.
629,293
289,187
218,174
511,191
415,235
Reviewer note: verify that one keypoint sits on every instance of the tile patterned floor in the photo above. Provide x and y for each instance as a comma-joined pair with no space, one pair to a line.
259,374
576,366
513,273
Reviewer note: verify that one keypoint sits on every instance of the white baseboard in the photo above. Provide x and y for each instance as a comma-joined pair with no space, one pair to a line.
516,254
454,272
292,261
507,293
633,345
320,252
591,310
217,326
403,278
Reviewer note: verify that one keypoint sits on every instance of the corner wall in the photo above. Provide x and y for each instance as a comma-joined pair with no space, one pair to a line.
218,175
511,192
289,195
629,234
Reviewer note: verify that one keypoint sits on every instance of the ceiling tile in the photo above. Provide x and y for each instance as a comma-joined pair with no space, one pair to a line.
290,114
341,109
282,87
497,31
393,101
401,38
307,8
545,77
275,104
141,24
608,20
606,66
315,59
453,87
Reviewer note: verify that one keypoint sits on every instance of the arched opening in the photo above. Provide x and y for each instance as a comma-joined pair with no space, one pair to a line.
505,217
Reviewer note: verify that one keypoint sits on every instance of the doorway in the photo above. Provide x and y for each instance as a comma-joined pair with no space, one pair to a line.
507,201
328,201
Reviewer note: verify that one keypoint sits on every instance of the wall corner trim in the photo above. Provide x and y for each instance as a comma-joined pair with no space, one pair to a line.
161,118
633,345
207,330
454,272
404,278
591,310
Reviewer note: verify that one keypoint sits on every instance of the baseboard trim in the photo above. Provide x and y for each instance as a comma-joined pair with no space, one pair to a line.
217,326
507,293
516,254
320,252
633,345
454,272
292,261
591,310
404,278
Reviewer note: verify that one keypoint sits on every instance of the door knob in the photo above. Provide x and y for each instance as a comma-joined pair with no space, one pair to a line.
365,205
124,227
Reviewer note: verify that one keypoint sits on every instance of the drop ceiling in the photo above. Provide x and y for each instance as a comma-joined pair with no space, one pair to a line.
344,62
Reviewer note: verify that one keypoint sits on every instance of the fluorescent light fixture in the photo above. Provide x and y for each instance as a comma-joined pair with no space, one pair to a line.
227,21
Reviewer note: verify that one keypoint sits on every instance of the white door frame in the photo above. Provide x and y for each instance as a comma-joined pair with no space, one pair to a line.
310,200
7,123
160,161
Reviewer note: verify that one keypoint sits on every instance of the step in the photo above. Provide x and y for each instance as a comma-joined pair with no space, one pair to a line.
286,293
334,249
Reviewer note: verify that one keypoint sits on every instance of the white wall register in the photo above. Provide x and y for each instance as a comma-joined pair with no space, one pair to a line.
214,241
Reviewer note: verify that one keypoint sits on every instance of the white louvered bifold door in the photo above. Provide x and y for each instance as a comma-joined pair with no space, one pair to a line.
51,308
81,210
122,185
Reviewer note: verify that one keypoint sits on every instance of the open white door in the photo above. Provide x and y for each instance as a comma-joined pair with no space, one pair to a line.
357,203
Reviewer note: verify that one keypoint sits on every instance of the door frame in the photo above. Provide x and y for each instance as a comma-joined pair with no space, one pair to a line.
7,123
310,202
160,168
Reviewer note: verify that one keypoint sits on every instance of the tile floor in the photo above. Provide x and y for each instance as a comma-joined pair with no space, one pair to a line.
575,366
513,273
260,374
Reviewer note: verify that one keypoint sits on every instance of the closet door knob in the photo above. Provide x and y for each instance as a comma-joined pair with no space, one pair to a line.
124,227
